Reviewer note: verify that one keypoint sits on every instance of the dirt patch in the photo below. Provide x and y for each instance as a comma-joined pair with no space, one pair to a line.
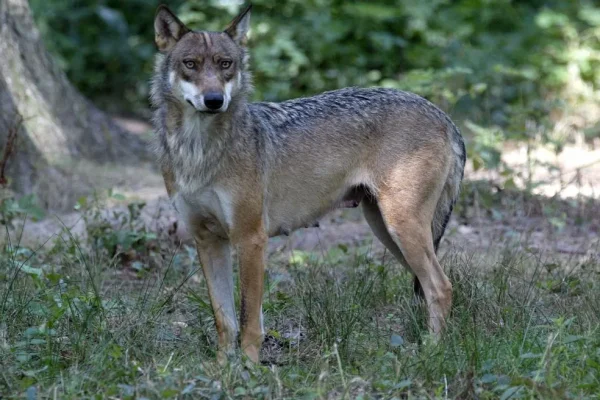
347,227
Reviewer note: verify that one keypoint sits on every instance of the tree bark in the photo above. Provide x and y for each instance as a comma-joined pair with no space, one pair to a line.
60,128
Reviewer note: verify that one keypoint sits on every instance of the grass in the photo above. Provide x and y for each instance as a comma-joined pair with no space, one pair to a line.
125,316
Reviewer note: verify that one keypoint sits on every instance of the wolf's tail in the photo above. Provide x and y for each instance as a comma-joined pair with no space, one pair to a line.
451,187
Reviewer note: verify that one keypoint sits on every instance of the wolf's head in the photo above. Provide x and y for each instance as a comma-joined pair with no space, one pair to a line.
204,70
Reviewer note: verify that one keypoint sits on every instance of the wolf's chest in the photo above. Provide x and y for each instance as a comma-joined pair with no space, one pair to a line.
194,157
208,208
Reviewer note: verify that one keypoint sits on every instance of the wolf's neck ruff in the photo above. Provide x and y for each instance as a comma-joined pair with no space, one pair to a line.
198,147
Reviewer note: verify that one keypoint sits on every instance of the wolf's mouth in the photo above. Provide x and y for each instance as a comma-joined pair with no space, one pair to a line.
205,111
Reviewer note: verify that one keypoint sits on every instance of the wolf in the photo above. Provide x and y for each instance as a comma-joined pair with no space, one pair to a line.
239,172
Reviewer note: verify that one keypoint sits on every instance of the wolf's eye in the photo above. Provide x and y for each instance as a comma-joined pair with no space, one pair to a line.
189,64
225,64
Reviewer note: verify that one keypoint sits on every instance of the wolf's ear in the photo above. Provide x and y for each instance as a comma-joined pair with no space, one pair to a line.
238,28
168,29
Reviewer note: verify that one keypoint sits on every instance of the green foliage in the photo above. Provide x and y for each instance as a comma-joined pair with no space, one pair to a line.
119,233
105,46
492,56
12,208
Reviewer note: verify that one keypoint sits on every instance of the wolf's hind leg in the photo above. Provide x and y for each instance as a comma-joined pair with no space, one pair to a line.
375,220
409,225
407,197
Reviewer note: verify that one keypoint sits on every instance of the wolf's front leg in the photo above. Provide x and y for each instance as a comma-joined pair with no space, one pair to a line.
215,256
251,250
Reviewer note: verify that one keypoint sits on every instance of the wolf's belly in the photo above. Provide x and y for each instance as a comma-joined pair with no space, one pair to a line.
288,212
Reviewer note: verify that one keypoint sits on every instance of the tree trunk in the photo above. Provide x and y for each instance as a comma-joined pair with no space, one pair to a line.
60,128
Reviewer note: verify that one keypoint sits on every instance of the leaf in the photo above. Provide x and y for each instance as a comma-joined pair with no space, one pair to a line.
275,334
510,392
118,196
403,384
24,251
137,265
529,356
23,356
31,393
477,163
299,257
31,270
396,340
81,203
372,11
189,388
510,184
573,338
150,236
168,393
113,18
557,222
203,379
31,331
240,391
128,390
488,378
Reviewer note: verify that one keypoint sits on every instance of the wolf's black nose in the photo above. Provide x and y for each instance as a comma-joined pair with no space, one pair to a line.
213,100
